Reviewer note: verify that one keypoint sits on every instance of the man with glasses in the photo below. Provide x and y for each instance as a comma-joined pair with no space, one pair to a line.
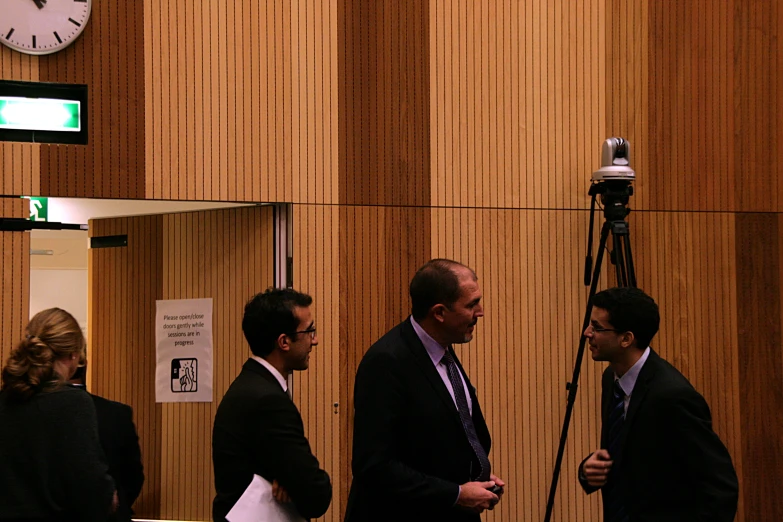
659,457
420,441
258,430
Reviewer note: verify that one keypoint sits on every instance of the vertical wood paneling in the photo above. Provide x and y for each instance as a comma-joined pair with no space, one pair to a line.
174,256
317,392
240,103
20,164
123,286
761,369
15,278
627,69
109,58
384,87
516,103
380,250
758,103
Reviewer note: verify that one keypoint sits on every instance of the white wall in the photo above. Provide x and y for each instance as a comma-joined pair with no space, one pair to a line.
66,289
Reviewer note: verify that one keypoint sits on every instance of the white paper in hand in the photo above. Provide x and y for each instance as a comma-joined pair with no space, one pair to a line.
257,504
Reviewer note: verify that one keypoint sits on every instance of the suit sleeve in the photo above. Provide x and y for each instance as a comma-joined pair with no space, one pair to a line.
132,467
379,414
714,481
84,471
283,447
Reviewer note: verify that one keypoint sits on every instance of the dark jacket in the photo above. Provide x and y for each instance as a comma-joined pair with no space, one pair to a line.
259,431
672,465
410,451
52,467
120,444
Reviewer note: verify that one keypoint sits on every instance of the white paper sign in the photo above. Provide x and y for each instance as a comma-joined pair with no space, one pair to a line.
183,337
257,504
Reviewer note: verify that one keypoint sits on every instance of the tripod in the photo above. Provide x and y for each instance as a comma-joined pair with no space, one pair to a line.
614,195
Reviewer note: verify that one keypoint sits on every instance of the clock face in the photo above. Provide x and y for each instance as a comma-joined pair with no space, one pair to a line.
42,26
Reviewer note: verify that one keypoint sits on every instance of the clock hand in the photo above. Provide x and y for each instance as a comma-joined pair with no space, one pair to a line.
40,3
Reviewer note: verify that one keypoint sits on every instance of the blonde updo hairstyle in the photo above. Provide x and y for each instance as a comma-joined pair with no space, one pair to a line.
51,335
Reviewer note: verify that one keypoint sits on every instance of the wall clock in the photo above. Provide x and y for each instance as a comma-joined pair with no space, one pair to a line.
42,26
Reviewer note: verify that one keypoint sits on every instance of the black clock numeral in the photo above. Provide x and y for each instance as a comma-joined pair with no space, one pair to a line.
77,24
9,33
58,37
33,41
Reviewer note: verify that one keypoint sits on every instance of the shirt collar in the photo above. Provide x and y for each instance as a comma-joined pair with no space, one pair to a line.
277,375
628,381
433,347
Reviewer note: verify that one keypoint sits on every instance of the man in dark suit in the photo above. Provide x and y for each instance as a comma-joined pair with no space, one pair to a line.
420,442
659,457
258,430
120,444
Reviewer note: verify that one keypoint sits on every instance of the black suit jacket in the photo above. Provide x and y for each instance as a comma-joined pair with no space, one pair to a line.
672,466
410,451
259,431
120,444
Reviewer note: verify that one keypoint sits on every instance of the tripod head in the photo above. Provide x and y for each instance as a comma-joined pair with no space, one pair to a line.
612,181
614,198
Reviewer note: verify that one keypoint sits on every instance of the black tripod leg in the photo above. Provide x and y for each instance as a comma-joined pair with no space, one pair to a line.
622,276
572,386
629,260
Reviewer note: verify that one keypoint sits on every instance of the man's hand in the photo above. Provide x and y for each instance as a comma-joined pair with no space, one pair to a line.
280,494
596,468
499,483
476,496
115,503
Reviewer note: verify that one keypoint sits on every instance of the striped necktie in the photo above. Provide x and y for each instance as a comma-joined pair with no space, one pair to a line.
464,415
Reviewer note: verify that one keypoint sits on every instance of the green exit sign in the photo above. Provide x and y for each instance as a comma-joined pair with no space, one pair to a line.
40,114
39,209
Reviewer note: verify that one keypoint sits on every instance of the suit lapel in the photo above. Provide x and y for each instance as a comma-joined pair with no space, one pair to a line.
606,386
641,387
424,363
638,395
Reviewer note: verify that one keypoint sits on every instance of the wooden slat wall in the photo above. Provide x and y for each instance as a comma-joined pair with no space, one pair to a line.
124,285
20,163
517,105
318,392
222,254
109,58
14,278
241,100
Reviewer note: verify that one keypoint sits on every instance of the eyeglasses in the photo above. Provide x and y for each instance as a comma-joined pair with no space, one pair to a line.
310,331
598,329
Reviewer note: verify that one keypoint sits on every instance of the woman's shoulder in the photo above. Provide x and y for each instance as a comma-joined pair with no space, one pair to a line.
65,397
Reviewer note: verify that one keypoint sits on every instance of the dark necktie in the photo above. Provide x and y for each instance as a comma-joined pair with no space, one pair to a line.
464,415
615,508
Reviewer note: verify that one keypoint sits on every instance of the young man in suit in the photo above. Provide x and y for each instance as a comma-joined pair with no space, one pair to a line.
659,457
420,442
258,429
120,444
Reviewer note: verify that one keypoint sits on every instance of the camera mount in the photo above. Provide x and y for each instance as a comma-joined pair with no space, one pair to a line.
612,182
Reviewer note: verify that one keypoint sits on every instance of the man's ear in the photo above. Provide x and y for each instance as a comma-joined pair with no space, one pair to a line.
438,311
282,343
628,339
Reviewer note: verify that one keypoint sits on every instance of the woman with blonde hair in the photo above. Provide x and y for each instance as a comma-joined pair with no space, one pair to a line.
52,463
